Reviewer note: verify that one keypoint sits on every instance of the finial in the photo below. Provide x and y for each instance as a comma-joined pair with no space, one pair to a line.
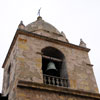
21,22
63,34
21,25
82,43
39,12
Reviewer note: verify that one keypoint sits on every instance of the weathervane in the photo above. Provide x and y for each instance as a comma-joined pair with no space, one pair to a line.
39,12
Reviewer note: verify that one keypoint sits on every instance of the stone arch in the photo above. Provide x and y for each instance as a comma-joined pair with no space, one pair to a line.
51,54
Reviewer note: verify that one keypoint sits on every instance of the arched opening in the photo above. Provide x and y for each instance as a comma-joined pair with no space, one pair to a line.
53,67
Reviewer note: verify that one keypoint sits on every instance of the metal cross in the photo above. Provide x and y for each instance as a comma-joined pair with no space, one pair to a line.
39,12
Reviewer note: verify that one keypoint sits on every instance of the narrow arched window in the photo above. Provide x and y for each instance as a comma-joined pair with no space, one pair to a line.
54,67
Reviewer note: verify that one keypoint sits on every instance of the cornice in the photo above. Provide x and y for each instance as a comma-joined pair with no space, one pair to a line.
23,32
66,91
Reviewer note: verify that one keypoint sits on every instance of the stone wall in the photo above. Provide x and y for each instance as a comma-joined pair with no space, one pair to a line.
9,85
38,94
26,64
29,63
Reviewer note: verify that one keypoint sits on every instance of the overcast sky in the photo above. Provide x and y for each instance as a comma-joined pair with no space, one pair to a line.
76,18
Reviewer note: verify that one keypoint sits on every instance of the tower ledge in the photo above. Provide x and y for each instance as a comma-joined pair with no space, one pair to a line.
66,91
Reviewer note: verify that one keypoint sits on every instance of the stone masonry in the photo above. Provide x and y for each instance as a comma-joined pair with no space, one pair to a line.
25,61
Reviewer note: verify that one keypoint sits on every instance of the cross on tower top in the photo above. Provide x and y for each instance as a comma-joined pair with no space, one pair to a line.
39,12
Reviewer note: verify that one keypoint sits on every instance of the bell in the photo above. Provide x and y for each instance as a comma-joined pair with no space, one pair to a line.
51,66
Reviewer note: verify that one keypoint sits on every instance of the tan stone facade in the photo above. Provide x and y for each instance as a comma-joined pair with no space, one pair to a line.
24,63
34,91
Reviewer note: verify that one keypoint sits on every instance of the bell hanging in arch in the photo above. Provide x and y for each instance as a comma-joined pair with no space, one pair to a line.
51,69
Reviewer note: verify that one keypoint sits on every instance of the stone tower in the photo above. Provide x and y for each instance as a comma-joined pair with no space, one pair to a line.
41,64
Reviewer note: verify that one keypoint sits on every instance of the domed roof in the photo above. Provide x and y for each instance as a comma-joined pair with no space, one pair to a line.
40,24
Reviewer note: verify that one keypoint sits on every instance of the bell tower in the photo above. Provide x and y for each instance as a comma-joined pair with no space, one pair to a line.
42,64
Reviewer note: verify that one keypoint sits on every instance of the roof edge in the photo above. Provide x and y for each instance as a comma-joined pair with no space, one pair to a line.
24,32
10,48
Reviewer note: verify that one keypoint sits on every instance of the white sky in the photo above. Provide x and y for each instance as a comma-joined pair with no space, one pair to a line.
76,18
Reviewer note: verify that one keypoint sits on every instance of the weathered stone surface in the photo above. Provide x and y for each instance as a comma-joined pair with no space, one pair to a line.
25,59
79,72
28,63
47,93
